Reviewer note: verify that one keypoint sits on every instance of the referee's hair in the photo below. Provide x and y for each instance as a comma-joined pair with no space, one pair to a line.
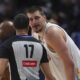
21,21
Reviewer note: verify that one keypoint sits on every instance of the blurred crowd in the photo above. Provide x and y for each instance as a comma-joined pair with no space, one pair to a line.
65,13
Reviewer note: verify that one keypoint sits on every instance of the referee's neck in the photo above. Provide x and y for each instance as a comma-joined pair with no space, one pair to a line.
21,32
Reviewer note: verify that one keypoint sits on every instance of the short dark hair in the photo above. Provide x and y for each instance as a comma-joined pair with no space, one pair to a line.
21,21
32,9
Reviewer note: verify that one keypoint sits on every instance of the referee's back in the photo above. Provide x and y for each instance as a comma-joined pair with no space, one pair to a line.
25,55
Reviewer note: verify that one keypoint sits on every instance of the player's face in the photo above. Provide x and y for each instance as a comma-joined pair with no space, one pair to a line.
36,21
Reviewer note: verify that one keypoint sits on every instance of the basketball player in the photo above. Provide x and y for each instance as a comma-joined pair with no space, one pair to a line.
25,54
64,54
6,30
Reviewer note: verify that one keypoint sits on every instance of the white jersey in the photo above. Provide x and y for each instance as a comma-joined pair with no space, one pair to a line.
56,64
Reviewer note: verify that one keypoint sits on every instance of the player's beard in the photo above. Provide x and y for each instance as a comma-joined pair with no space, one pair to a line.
38,30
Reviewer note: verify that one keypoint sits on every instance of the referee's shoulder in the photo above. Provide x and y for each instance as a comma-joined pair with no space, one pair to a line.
36,40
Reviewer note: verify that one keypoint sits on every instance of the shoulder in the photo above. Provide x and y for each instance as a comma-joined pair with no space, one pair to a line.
54,30
8,41
31,38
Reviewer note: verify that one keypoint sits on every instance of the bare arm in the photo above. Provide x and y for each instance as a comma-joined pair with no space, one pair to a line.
46,70
3,65
56,41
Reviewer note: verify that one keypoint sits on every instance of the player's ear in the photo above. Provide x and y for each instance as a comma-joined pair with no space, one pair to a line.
45,17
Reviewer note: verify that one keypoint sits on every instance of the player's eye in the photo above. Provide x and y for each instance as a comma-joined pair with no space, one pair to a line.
37,17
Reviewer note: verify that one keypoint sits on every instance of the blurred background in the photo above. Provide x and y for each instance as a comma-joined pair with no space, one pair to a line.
65,13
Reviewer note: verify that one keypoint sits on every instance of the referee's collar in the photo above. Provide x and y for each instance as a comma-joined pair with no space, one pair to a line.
23,35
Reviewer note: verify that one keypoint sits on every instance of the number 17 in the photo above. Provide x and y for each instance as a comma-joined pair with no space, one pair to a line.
31,52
